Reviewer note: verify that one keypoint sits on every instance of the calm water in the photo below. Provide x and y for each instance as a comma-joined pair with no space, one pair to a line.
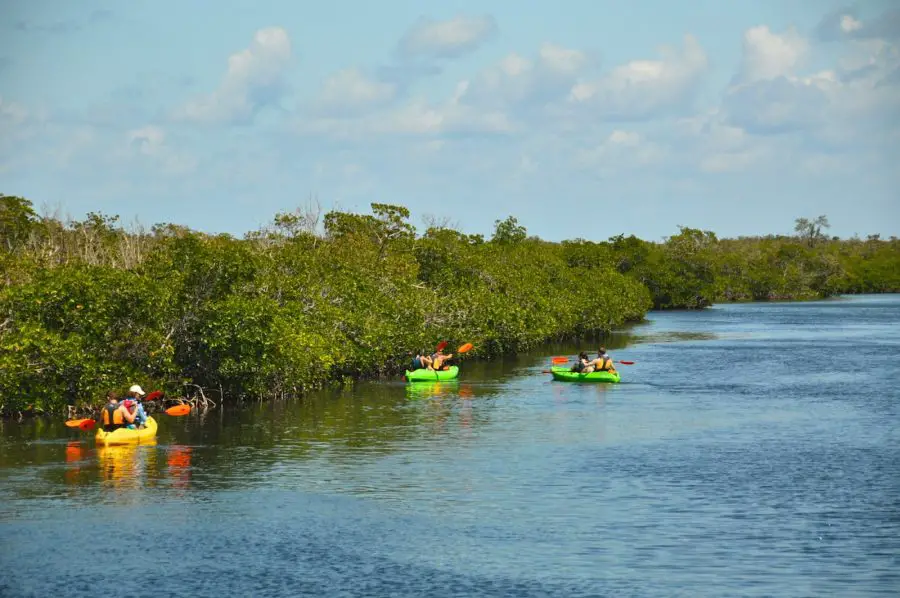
753,450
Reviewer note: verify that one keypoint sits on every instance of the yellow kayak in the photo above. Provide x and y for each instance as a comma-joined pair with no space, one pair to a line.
127,436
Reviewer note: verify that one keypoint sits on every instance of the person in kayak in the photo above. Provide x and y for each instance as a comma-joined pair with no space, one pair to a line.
581,363
421,361
601,364
111,418
135,393
116,415
438,359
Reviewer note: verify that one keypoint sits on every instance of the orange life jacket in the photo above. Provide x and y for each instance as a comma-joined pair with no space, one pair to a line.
112,418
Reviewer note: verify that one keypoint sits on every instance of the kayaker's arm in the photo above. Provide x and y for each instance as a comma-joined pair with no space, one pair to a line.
127,414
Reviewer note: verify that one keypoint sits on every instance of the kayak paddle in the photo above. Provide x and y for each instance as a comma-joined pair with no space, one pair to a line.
178,410
465,348
566,360
441,346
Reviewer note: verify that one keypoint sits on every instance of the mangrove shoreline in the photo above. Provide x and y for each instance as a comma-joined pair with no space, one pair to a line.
88,306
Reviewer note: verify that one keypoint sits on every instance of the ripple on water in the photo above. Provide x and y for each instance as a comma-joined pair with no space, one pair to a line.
730,461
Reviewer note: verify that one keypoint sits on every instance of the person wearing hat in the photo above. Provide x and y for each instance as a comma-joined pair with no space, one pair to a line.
135,394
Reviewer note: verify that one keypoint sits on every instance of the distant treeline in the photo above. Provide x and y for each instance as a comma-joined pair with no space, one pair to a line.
88,306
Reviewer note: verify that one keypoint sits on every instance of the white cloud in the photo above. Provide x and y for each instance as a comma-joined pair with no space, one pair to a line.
19,127
516,79
449,38
562,60
642,89
777,106
350,89
767,55
416,117
619,152
149,142
849,24
845,24
254,78
11,113
832,106
531,120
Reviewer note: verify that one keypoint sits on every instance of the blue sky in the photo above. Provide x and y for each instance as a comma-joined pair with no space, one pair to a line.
581,118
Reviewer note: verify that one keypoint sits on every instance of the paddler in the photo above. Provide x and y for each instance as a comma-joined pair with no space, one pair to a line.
135,394
438,358
602,363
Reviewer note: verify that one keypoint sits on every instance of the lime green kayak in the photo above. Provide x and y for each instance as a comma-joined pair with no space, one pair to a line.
565,374
431,375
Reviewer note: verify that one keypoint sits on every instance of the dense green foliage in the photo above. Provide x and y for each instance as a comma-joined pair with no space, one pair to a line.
87,306
694,268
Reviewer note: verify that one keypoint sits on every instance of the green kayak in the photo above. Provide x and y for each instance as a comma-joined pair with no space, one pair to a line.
565,374
430,375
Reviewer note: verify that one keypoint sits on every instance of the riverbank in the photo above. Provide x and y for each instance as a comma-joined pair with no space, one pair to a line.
87,307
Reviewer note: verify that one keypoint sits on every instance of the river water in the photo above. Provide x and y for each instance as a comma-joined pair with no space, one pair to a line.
752,450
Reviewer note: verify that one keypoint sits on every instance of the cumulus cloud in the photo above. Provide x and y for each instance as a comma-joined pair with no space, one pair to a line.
516,79
539,114
777,106
450,38
772,96
708,142
150,143
768,55
351,89
643,89
846,24
11,113
415,117
621,150
254,79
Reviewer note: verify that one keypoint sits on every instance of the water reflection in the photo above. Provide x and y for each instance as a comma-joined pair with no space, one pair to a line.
75,455
178,463
74,452
431,390
577,391
128,467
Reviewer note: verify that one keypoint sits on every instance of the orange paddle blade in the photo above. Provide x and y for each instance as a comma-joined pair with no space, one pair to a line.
465,348
441,345
178,410
560,360
74,423
87,424
153,395
626,362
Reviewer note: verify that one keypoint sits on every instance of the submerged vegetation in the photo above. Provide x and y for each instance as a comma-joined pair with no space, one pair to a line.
86,306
